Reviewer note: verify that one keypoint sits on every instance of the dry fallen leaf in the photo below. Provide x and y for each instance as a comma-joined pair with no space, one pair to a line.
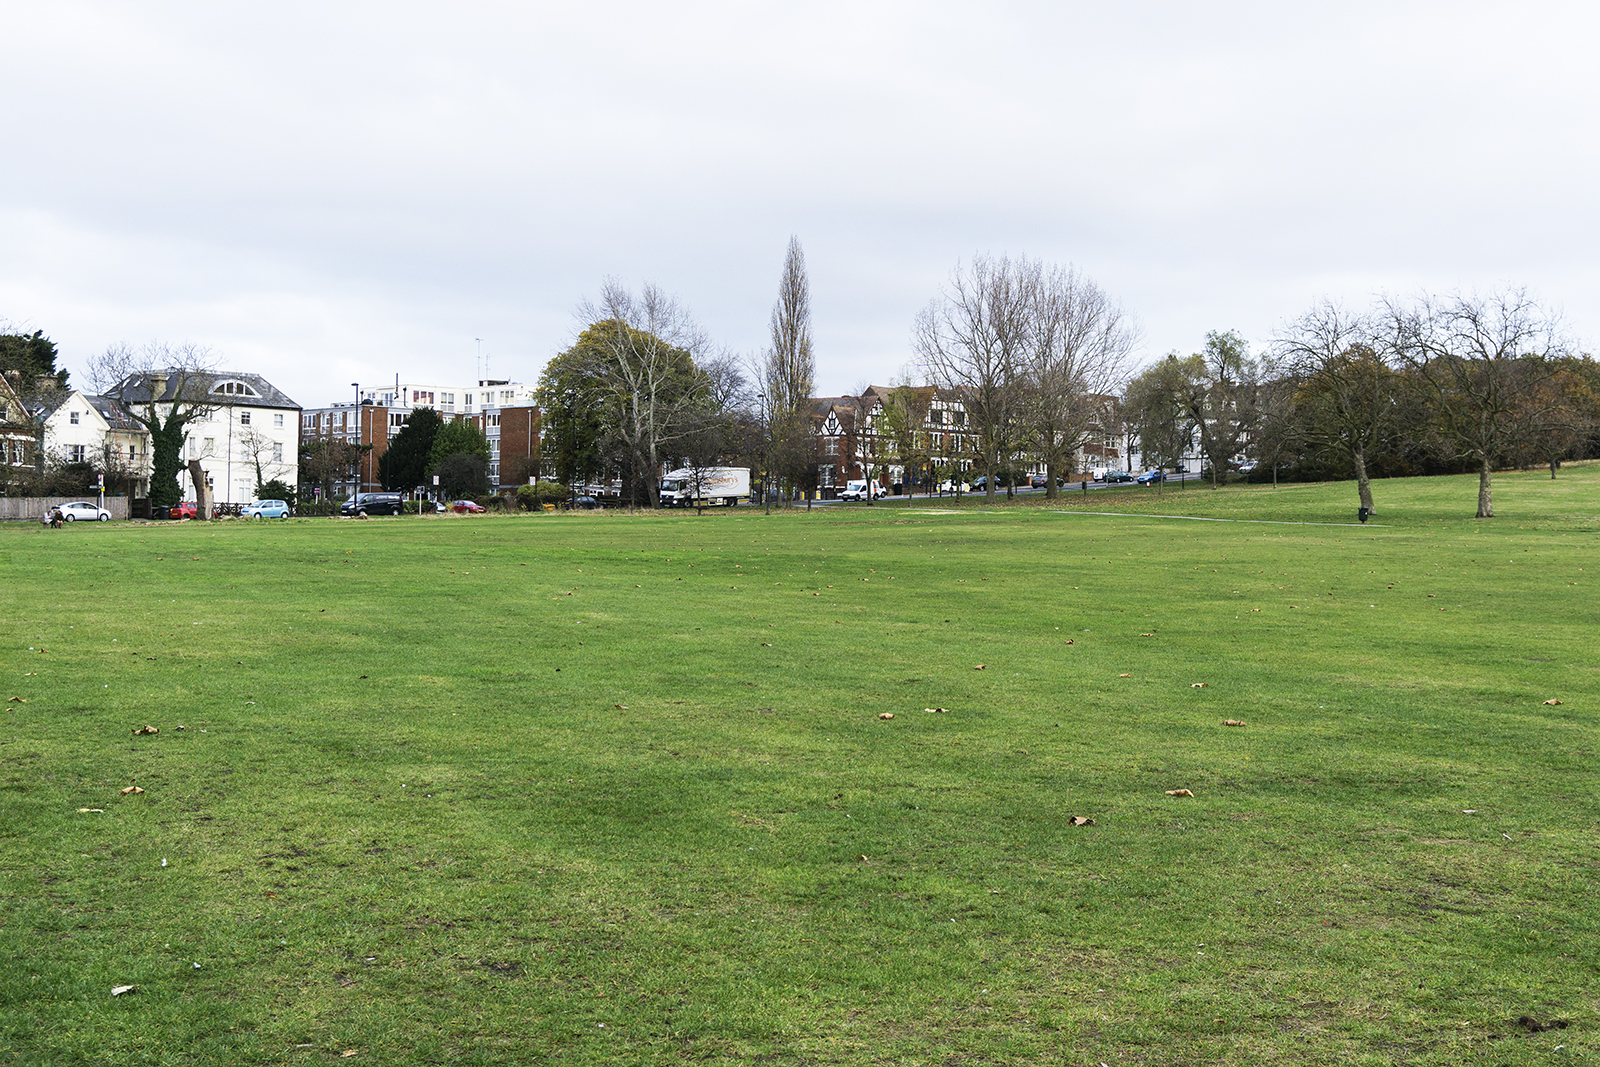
620,707
1552,700
348,1052
1124,676
1147,635
1179,793
131,789
885,714
1199,685
766,644
1069,640
101,810
17,700
980,667
146,730
118,990
1082,820
940,710
1233,722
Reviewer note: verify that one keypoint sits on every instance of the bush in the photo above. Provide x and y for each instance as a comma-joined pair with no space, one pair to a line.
276,490
534,497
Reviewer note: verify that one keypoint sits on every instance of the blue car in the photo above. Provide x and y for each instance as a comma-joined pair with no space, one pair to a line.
1151,476
265,509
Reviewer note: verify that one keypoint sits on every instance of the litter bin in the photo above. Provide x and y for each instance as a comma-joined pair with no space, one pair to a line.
162,513
1363,512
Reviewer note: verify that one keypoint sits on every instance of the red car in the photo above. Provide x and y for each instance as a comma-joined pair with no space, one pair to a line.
466,507
185,510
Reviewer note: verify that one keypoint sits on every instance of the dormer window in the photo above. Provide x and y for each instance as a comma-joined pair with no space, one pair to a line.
234,388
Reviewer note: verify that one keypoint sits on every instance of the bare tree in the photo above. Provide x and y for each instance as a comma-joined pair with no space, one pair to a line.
973,340
1486,361
1343,391
163,388
644,356
1077,354
787,371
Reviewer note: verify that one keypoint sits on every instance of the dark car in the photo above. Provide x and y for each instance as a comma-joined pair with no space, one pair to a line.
1149,477
373,504
1039,481
1118,476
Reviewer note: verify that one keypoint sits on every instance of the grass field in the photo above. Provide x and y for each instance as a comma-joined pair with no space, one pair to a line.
605,788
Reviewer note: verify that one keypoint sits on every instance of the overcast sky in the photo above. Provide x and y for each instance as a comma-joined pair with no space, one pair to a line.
333,192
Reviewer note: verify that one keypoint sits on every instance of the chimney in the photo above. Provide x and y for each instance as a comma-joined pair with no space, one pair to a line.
158,385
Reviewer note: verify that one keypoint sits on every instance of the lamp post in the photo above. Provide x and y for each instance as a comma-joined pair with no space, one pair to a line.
356,489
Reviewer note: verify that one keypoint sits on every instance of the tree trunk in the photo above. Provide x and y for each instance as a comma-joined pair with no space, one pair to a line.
1050,480
1554,463
1363,483
1485,504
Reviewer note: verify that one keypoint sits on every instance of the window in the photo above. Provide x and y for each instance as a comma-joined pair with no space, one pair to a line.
73,418
494,420
277,420
233,388
507,395
309,421
244,418
74,453
277,451
211,443
132,452
396,419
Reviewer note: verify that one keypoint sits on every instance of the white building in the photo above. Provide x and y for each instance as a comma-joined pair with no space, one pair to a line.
80,428
244,432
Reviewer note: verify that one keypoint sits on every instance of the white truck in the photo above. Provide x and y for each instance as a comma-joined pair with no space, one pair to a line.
856,489
689,487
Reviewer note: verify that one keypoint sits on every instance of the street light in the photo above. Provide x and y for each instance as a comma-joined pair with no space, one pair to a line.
356,490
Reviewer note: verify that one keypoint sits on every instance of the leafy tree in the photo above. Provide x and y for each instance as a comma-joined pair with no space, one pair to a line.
463,474
458,437
405,465
275,489
1157,417
572,411
26,357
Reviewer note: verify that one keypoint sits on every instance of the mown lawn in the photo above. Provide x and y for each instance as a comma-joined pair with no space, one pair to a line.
617,789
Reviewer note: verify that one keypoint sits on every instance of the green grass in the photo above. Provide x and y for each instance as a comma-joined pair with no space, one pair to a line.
406,816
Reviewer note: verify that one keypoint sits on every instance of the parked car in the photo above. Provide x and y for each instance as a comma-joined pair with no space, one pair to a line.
1149,477
185,510
373,504
1039,481
265,509
581,503
467,507
81,510
1117,476
858,488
